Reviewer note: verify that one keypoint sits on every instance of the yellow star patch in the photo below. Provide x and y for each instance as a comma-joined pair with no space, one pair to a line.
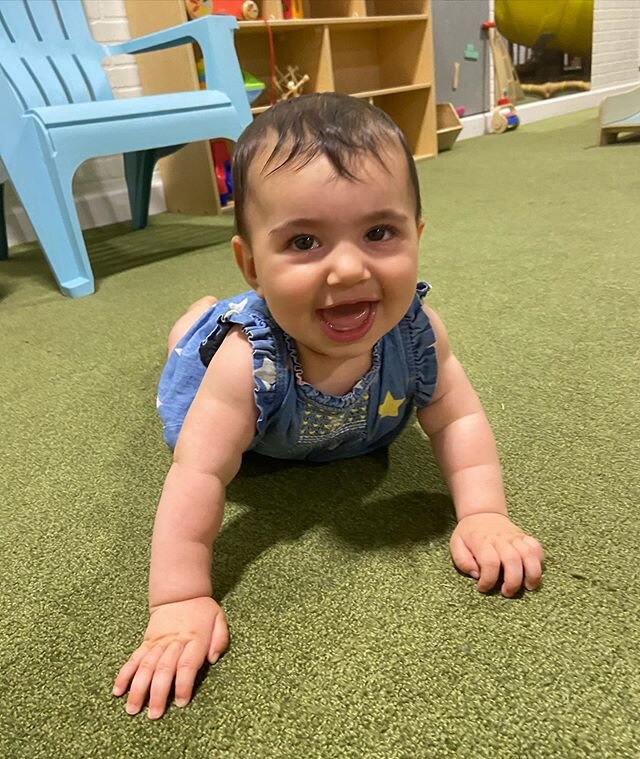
391,406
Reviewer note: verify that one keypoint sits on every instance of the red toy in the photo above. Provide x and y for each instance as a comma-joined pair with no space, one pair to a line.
244,10
222,164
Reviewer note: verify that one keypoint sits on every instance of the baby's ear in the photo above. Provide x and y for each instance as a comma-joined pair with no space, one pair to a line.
246,262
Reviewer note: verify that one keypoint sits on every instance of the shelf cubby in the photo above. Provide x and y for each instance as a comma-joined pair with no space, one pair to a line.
306,48
410,109
368,59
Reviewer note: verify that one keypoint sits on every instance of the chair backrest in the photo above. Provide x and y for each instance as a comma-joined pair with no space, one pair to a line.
47,53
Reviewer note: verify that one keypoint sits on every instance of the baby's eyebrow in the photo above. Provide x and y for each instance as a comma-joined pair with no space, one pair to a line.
289,223
383,214
386,214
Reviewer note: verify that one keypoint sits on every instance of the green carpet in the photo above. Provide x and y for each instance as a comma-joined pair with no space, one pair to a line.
352,634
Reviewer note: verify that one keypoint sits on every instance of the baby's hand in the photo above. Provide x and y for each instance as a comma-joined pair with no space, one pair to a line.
179,637
482,544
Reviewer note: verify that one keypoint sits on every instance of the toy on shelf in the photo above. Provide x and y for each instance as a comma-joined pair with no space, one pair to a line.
292,9
244,10
253,86
202,82
290,85
504,118
222,163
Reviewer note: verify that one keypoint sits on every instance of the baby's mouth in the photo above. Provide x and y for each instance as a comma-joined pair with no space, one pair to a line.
346,317
349,321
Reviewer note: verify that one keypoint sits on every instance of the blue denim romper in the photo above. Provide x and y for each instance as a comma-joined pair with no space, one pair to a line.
295,420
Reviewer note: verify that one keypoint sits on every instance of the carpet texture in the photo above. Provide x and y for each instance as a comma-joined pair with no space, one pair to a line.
352,634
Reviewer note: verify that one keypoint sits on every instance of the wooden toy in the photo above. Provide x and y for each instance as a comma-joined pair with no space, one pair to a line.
290,85
504,118
551,88
507,81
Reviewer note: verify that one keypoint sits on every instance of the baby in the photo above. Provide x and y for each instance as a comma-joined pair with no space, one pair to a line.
325,357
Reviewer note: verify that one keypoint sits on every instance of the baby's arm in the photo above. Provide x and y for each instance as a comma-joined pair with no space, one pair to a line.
485,540
186,625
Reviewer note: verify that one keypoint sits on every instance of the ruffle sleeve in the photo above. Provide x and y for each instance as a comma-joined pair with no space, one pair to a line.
268,372
188,362
421,348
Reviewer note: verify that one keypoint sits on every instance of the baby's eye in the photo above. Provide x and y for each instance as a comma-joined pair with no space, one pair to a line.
381,233
304,242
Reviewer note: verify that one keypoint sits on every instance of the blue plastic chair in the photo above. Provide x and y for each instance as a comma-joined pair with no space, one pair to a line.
4,245
57,110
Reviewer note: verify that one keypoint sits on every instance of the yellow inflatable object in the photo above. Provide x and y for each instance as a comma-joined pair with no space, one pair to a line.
570,21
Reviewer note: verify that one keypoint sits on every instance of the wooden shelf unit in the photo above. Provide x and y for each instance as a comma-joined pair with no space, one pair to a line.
380,50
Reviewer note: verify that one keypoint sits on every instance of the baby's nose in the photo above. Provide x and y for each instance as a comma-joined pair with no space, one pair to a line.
347,266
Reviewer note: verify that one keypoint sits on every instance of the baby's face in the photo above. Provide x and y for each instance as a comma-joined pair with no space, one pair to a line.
335,260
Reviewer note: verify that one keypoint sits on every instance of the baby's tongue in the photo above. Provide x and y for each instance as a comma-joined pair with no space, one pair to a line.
346,317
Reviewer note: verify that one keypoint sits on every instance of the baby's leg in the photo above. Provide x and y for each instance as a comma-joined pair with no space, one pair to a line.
193,313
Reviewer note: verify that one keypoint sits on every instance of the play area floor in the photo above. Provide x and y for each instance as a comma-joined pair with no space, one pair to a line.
352,634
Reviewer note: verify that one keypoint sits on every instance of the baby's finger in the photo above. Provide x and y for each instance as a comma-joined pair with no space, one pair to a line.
462,557
191,659
532,554
163,676
512,569
489,562
142,679
128,670
219,639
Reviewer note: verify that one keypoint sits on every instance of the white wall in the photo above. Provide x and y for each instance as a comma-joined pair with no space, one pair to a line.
616,43
99,185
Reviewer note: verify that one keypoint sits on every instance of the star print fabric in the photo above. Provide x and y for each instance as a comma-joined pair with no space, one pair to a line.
296,420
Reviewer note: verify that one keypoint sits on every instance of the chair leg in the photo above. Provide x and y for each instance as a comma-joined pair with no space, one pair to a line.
47,198
4,246
138,171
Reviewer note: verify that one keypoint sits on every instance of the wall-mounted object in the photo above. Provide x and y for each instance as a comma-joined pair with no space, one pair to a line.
470,53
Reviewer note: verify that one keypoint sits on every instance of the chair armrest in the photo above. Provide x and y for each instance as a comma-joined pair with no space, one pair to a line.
182,34
214,35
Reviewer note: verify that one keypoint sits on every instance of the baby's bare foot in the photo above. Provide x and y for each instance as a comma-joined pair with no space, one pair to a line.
193,313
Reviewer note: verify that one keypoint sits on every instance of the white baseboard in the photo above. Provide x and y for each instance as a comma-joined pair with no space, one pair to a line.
96,207
475,126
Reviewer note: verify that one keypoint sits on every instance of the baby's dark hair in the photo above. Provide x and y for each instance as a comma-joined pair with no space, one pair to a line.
340,127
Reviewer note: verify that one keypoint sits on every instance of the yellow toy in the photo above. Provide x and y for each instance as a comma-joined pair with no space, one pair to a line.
570,22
